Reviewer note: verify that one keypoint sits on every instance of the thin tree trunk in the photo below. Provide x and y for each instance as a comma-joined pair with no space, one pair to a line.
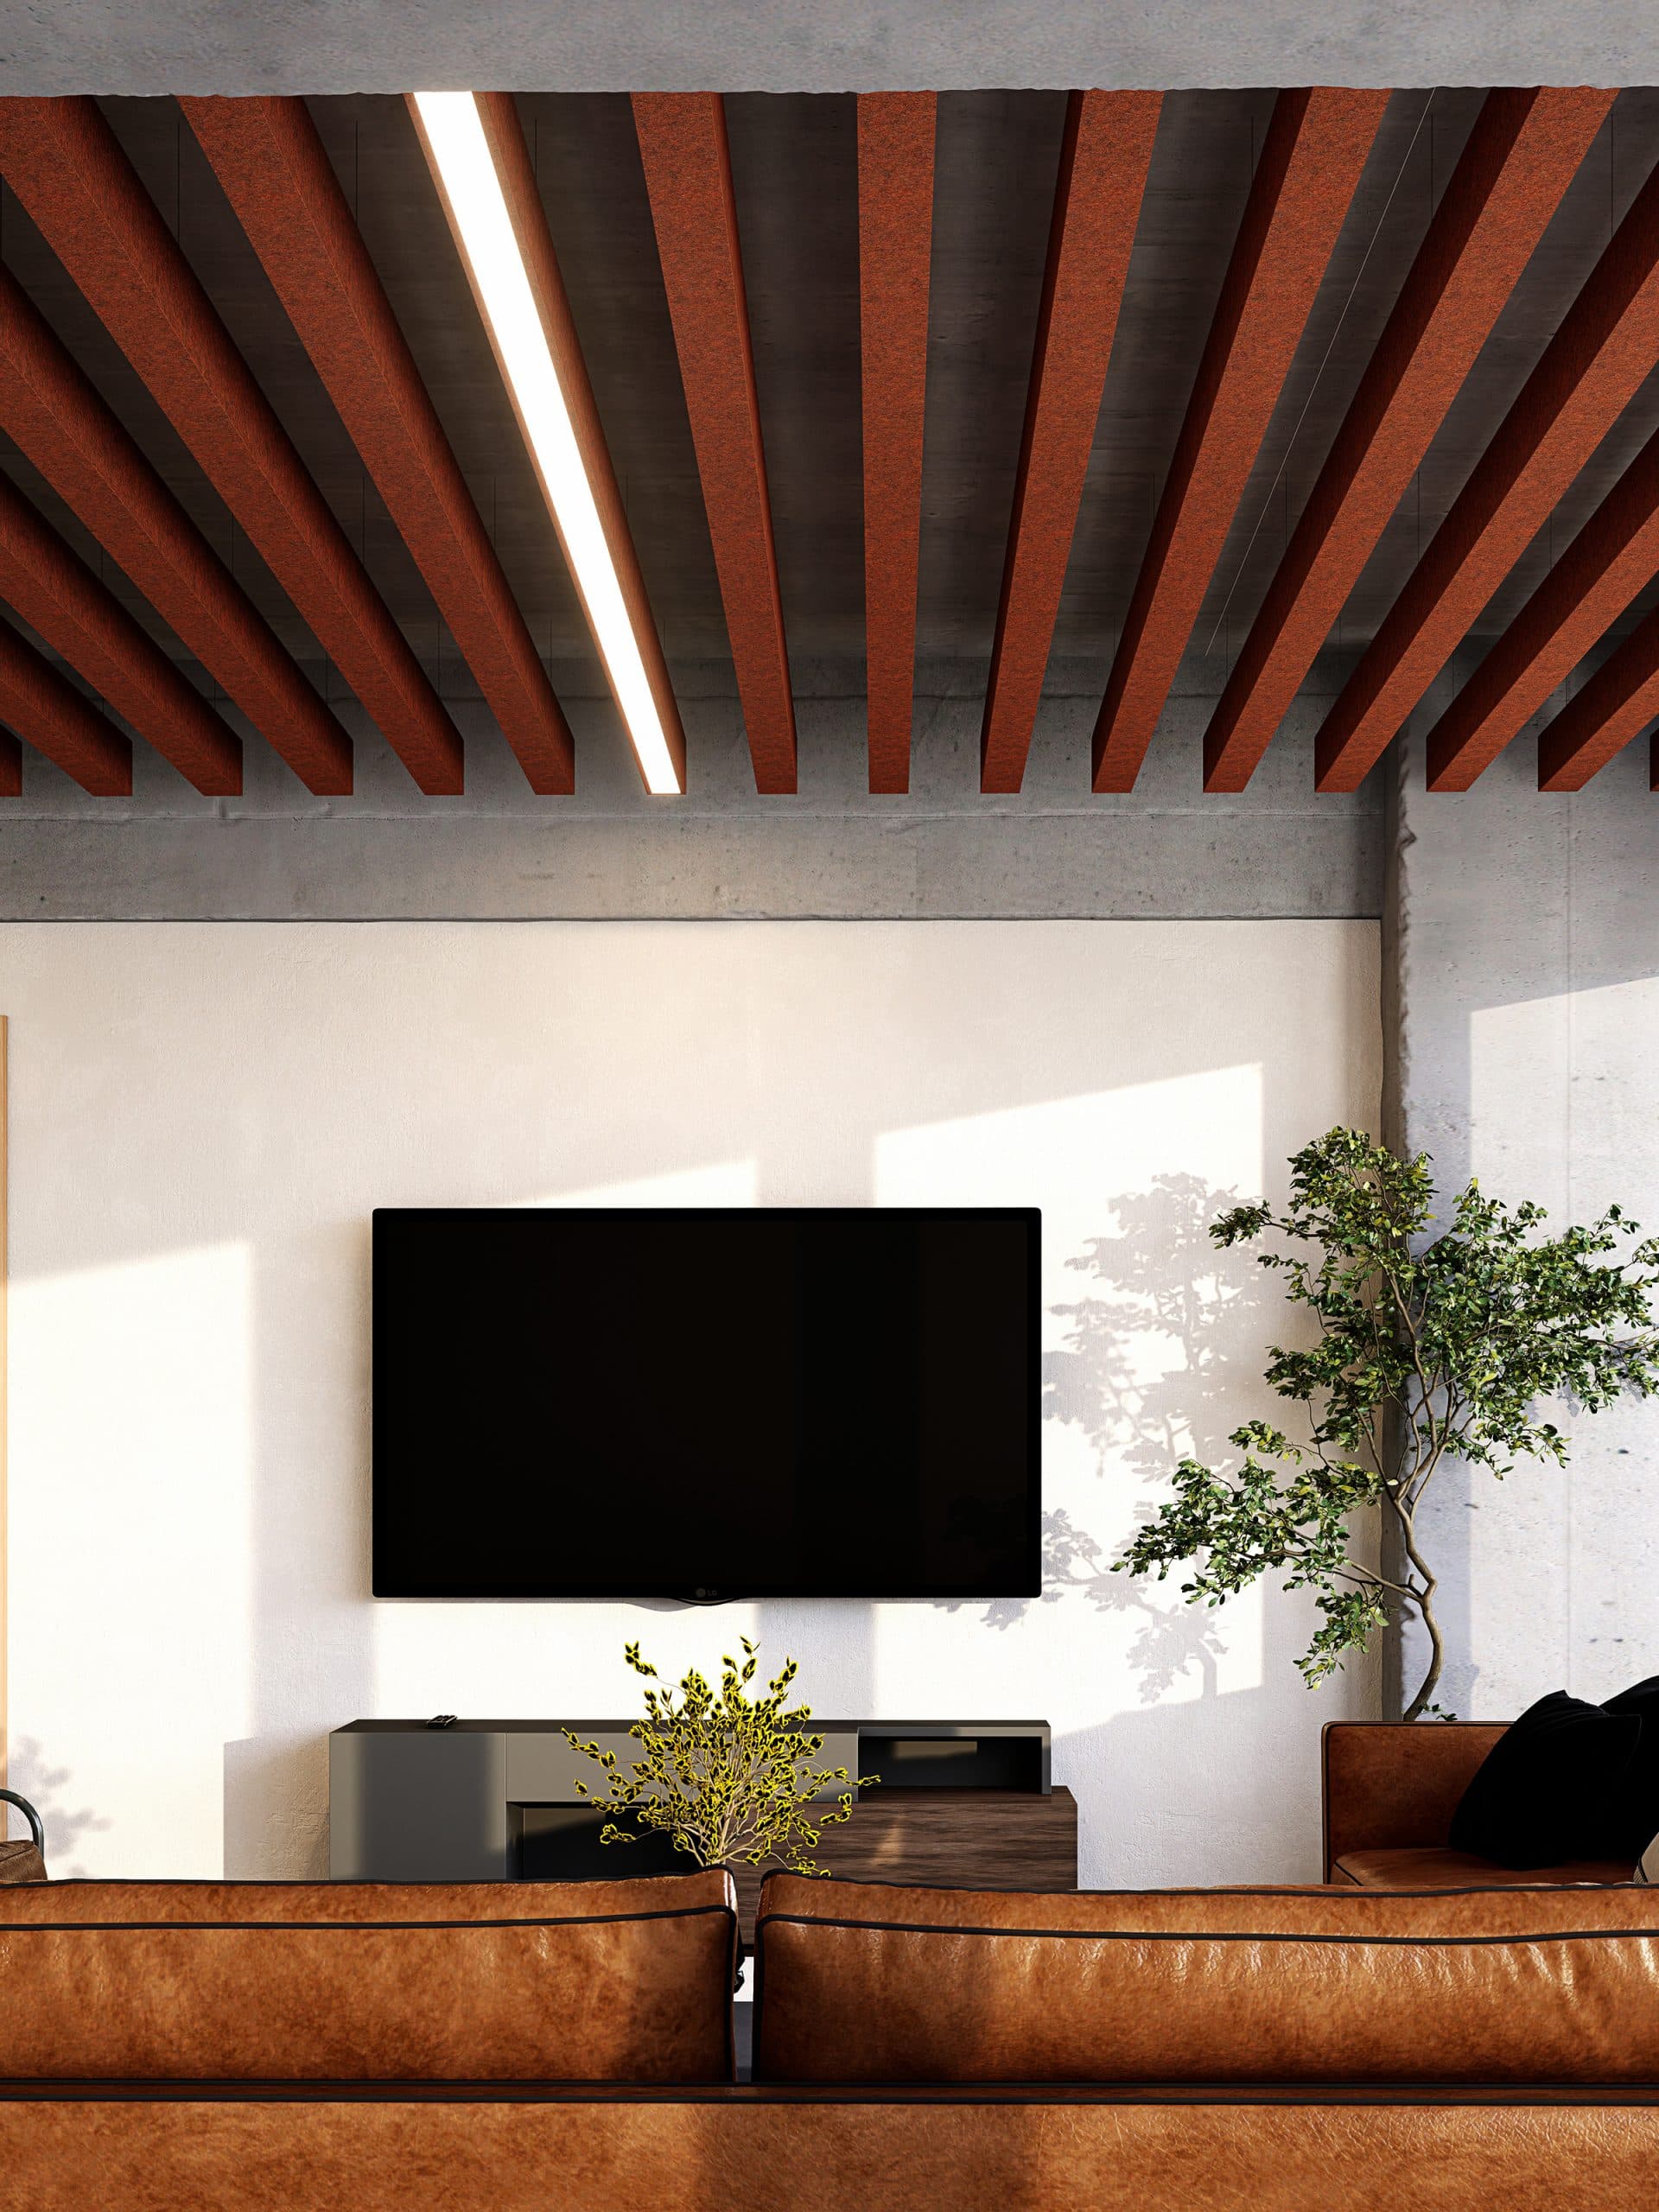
1423,1597
1427,1687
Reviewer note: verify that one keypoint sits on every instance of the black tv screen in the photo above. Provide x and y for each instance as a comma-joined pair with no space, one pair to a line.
705,1403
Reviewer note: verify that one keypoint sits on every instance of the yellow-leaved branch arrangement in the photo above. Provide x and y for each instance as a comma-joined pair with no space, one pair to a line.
728,1776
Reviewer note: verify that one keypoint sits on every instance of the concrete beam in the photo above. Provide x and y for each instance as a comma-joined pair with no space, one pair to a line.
297,46
940,852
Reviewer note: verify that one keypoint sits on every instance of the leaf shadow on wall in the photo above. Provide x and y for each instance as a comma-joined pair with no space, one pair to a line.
65,1823
1151,1352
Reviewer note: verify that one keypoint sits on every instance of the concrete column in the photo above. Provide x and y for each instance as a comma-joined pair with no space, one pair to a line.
1523,940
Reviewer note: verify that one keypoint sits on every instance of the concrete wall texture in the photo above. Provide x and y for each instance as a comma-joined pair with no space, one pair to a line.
204,1116
1526,1043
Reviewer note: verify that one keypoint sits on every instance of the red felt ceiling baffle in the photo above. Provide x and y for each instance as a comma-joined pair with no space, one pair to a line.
81,619
1520,158
896,244
66,165
1311,161
277,176
39,701
688,167
1104,156
1598,359
62,424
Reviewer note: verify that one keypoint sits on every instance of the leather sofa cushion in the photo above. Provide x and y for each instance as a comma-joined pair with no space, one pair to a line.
1427,1866
632,1989
867,1984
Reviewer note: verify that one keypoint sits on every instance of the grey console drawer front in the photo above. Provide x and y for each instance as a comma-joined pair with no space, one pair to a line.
543,1770
839,1749
427,1807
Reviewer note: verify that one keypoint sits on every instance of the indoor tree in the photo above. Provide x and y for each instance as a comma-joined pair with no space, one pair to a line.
1434,1342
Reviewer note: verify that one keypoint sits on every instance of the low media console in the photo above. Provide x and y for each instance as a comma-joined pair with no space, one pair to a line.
966,1804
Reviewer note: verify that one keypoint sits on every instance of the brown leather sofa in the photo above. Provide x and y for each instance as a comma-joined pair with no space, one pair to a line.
519,2048
1390,1790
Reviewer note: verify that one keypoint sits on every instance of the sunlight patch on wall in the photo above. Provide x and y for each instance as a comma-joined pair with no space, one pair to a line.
132,1392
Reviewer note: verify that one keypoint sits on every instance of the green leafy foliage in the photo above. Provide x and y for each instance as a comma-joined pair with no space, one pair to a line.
1433,1343
728,1776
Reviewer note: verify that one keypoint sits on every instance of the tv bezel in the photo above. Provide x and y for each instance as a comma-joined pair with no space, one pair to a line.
1028,1585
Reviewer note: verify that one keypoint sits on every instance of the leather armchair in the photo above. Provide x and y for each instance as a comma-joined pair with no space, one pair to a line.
1390,1790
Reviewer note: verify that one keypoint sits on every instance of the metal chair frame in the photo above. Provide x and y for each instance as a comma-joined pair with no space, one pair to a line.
37,1827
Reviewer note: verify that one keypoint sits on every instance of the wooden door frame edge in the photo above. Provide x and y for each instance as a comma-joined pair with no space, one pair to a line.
5,1097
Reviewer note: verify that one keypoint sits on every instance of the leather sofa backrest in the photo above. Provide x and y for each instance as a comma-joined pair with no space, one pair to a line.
118,1901
566,1987
1388,1784
867,1984
1306,1909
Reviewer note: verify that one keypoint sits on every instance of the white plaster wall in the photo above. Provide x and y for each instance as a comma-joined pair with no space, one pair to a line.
204,1116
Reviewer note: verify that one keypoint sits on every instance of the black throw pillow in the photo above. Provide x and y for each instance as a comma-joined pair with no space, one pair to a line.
1641,1801
1552,1788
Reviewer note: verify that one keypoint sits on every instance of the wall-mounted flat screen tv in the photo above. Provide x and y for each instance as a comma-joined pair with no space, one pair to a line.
705,1403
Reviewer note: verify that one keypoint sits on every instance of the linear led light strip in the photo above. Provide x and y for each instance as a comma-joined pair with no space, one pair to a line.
465,168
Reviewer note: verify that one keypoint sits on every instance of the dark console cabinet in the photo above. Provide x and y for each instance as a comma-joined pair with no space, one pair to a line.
963,1804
